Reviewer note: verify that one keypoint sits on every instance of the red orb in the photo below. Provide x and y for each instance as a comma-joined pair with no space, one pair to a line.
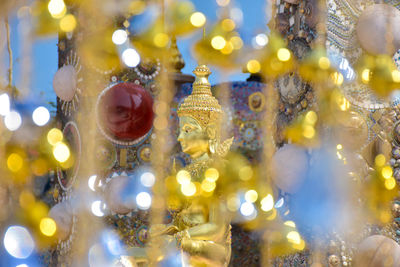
126,111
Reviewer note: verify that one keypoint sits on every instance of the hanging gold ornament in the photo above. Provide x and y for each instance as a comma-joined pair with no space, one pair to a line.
277,59
153,41
379,190
100,52
316,67
45,23
180,20
286,240
303,130
221,47
379,72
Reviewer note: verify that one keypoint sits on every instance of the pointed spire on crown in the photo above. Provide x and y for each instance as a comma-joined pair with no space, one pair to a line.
201,84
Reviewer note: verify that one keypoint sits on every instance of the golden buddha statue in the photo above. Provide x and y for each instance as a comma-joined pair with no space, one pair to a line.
203,228
200,227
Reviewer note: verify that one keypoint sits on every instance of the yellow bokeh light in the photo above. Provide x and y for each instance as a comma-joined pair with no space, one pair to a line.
160,107
396,76
208,186
290,223
253,66
68,163
380,160
273,215
339,147
183,177
188,189
308,131
54,136
342,102
299,246
345,105
48,226
233,203
57,8
38,211
251,196
365,75
237,42
68,23
228,48
387,172
245,173
228,25
15,162
161,39
294,237
390,183
26,199
160,123
61,152
267,203
211,174
283,54
39,167
198,19
311,117
218,42
324,63
337,78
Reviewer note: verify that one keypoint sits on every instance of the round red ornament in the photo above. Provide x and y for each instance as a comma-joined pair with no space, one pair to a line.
125,113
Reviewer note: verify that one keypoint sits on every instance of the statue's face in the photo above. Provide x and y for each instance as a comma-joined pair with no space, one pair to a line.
193,138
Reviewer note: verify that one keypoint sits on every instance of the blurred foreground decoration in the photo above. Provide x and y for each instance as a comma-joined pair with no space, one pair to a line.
278,59
92,186
380,73
221,46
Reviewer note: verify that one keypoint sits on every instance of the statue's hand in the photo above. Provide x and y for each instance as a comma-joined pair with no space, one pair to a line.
180,236
163,229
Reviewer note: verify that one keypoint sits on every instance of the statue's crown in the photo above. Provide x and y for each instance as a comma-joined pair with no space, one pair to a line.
201,104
